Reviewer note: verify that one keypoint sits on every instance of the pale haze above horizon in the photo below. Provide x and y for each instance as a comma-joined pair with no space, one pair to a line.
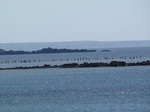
74,20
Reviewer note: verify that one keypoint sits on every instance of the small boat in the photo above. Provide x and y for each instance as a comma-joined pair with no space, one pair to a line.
105,50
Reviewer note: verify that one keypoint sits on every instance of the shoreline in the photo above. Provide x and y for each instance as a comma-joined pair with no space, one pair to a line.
85,64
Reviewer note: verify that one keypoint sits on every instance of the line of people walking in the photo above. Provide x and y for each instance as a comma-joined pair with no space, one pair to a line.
75,59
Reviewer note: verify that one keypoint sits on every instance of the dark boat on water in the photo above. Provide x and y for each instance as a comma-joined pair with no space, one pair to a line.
106,50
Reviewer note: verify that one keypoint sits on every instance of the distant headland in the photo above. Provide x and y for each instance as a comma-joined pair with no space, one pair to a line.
44,50
30,46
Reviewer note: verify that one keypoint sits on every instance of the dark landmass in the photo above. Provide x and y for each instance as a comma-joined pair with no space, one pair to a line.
44,50
85,64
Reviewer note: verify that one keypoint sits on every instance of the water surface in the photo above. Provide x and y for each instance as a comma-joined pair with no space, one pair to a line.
105,89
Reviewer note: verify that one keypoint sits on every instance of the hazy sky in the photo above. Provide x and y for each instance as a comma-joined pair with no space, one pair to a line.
74,20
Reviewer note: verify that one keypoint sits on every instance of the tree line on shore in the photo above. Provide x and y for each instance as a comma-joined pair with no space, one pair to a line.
44,50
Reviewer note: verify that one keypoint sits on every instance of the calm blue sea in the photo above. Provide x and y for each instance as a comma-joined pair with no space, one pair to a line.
102,89
117,54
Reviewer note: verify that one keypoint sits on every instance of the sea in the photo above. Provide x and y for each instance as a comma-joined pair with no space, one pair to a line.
96,89
133,54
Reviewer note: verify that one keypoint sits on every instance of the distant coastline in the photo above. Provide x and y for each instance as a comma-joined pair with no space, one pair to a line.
85,64
29,46
44,50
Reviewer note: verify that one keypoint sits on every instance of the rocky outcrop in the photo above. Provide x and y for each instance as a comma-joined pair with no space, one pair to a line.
117,63
85,64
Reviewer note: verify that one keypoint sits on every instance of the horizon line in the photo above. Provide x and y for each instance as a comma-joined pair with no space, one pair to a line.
72,41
